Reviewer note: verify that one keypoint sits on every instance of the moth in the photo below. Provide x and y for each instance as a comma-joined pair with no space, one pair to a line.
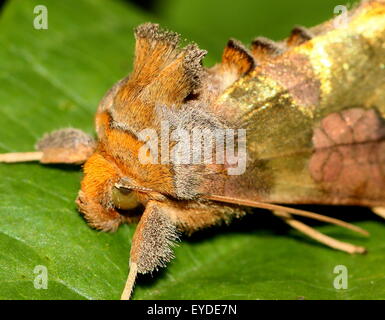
181,147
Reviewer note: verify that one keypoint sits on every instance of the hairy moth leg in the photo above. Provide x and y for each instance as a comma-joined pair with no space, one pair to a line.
157,229
68,146
95,196
193,216
152,243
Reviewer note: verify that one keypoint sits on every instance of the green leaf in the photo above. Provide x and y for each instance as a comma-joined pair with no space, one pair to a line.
214,22
55,78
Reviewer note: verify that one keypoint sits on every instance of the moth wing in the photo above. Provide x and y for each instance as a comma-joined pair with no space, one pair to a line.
292,157
315,129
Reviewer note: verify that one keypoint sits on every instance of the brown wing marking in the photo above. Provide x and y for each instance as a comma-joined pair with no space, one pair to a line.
349,155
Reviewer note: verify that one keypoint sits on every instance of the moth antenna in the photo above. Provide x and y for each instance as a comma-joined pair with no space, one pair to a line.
67,146
237,57
298,212
298,36
21,157
380,211
128,288
263,49
318,236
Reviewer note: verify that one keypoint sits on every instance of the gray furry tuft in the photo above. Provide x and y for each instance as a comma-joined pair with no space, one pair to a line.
158,237
68,138
189,117
193,64
152,31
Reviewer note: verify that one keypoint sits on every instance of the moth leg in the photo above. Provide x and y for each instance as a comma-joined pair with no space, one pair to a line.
68,146
94,200
157,231
316,235
192,216
380,211
152,243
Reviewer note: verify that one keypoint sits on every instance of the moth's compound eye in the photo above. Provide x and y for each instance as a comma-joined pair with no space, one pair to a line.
124,199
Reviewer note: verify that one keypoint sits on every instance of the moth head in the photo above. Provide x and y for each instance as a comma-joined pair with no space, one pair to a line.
111,193
166,80
164,75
